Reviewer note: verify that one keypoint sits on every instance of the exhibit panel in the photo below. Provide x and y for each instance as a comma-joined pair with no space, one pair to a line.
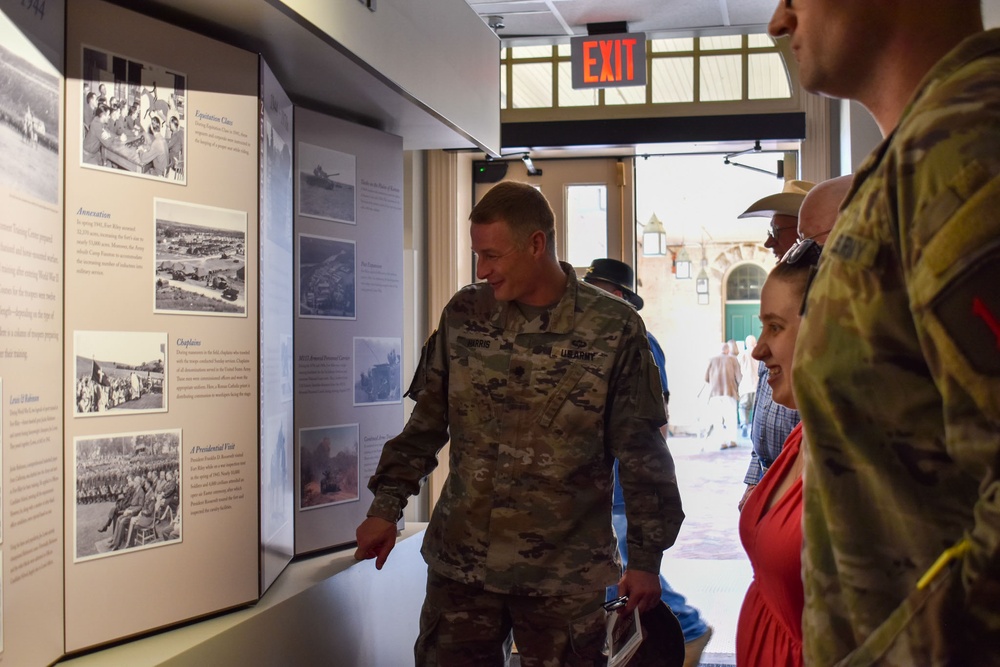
277,501
161,319
349,320
31,321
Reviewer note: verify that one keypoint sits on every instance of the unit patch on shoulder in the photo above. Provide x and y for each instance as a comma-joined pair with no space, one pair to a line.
969,309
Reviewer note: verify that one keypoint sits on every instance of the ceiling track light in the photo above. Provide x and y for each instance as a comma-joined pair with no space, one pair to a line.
530,166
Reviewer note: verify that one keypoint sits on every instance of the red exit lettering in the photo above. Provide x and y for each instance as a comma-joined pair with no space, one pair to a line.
616,64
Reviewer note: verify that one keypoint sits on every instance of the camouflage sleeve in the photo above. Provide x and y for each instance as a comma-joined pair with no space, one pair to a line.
646,469
409,457
955,298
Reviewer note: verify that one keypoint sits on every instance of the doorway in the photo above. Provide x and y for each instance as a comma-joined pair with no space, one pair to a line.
591,198
743,301
698,199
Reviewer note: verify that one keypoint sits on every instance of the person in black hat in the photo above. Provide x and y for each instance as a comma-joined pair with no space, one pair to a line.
617,277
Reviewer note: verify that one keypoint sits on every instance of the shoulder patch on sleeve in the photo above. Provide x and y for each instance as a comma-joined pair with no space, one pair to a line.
969,310
420,374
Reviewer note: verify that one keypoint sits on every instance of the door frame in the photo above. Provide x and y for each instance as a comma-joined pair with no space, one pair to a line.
558,172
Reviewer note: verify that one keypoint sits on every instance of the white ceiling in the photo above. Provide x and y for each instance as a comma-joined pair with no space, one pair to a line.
560,19
323,77
991,13
566,18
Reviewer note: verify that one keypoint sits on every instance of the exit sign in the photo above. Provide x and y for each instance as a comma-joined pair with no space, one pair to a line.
609,61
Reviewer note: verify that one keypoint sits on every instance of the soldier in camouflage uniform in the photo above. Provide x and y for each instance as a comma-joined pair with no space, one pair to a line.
540,382
897,371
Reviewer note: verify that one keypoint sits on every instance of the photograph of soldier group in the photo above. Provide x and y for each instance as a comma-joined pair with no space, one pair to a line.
119,372
133,117
128,492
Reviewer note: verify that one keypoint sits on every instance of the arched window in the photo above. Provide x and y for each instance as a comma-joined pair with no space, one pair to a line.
744,283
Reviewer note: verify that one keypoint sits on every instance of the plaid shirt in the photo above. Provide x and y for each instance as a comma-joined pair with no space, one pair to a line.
771,425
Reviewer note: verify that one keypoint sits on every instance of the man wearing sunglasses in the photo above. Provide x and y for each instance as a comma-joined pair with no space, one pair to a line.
783,210
897,364
817,217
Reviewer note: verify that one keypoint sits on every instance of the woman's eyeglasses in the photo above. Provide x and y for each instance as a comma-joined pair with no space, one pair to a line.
806,251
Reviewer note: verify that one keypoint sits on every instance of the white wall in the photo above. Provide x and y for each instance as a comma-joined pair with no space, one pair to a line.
859,135
991,13
440,53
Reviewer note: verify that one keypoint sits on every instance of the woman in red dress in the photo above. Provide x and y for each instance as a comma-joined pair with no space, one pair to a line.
769,631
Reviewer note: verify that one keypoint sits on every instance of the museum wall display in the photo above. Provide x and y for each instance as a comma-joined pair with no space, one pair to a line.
161,318
349,310
176,426
31,332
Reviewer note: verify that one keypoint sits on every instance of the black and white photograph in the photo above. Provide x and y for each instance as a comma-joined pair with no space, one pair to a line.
200,266
134,119
329,465
327,184
29,117
119,372
377,371
327,278
128,492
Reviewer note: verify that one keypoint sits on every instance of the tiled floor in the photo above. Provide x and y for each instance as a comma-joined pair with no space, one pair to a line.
707,564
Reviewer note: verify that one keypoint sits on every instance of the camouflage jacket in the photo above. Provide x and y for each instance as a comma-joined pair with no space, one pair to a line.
897,378
536,412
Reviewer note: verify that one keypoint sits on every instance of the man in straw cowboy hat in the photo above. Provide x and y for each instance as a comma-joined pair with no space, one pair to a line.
783,209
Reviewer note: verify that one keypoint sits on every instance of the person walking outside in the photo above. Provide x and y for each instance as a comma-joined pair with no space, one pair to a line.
723,378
